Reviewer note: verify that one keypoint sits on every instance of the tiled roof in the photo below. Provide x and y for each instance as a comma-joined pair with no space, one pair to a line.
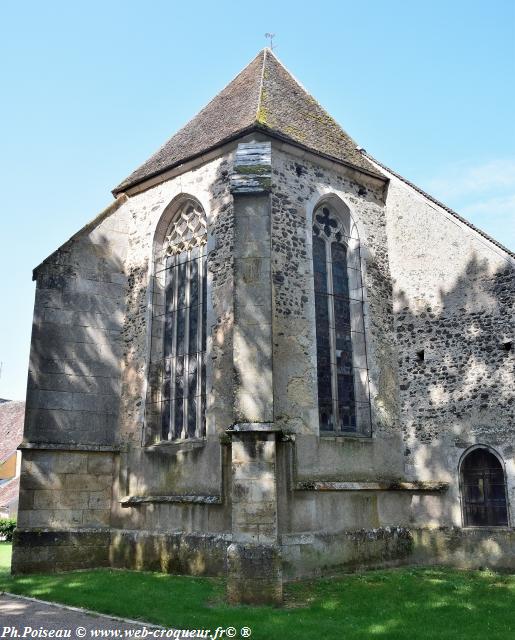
264,96
11,427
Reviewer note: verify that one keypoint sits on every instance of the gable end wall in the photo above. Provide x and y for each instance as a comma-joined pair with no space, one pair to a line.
454,295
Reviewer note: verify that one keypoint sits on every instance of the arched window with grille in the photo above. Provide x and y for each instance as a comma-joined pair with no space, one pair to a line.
343,389
177,364
483,490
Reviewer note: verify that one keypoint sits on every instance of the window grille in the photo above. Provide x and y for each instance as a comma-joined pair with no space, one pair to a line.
484,490
343,387
178,368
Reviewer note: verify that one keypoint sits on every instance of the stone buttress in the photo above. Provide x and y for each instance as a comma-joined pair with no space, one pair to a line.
265,491
254,562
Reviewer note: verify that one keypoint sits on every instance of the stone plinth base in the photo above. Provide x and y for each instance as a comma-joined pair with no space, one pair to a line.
309,555
180,553
468,548
254,574
41,551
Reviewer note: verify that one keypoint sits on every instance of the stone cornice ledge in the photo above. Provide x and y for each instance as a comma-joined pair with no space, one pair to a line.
63,446
134,501
262,427
176,446
417,485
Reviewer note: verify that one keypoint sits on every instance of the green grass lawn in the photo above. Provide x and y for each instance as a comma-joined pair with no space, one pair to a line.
407,603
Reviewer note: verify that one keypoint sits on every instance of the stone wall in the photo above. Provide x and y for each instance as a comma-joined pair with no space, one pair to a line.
298,187
73,394
301,556
182,469
74,373
209,185
319,554
64,510
454,295
186,554
431,284
471,548
62,489
88,374
46,551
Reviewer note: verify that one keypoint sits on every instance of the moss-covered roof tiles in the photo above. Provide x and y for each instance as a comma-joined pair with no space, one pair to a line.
263,96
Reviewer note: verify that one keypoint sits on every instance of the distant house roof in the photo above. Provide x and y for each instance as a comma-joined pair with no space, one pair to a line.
12,415
9,492
264,96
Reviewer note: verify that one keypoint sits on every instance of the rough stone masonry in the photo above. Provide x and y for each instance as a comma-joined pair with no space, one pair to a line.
269,358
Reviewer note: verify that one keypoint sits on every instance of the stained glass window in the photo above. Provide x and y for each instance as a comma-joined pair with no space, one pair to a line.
178,381
343,391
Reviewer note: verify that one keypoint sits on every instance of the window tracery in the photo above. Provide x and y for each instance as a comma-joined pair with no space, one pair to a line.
343,390
178,368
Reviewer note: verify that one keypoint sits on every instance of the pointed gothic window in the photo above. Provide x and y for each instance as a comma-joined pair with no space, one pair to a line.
343,392
178,380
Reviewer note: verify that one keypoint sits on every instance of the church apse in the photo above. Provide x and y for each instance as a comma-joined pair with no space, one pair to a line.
278,352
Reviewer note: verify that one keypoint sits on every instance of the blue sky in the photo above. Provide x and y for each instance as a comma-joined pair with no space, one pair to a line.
91,89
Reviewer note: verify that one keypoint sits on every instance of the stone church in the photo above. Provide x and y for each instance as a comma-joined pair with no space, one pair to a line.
270,358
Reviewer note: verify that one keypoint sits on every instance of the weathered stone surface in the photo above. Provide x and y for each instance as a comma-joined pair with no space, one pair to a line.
252,333
331,485
473,548
254,574
252,168
264,480
254,491
193,554
63,489
130,501
47,551
325,553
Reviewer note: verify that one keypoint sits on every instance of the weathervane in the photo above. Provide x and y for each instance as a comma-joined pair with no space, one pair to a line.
271,37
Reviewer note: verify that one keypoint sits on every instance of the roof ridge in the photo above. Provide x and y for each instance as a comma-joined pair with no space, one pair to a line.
260,92
441,204
225,87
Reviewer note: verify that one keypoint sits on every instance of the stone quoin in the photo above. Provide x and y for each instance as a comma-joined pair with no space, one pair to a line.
269,358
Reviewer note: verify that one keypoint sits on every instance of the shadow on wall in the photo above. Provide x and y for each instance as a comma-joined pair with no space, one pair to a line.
73,386
74,370
195,471
456,372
